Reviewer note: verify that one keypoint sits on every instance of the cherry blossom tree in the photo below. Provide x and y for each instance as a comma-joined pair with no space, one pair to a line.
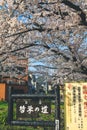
51,32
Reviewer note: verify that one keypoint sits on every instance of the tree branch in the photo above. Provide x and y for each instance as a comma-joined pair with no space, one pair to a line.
78,9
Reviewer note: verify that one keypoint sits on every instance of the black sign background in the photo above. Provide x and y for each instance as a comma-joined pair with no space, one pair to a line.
36,104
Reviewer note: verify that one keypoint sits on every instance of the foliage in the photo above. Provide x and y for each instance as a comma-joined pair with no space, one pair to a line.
52,32
3,113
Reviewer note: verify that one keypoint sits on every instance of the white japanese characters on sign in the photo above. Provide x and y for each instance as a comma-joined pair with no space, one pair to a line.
22,109
29,108
44,109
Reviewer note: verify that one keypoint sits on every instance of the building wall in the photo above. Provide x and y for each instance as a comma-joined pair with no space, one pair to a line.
2,91
19,83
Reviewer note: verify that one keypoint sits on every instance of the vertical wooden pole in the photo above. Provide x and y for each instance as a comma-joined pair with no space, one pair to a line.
57,116
10,106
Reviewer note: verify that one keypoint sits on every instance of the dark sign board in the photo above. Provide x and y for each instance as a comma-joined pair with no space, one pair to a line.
32,108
